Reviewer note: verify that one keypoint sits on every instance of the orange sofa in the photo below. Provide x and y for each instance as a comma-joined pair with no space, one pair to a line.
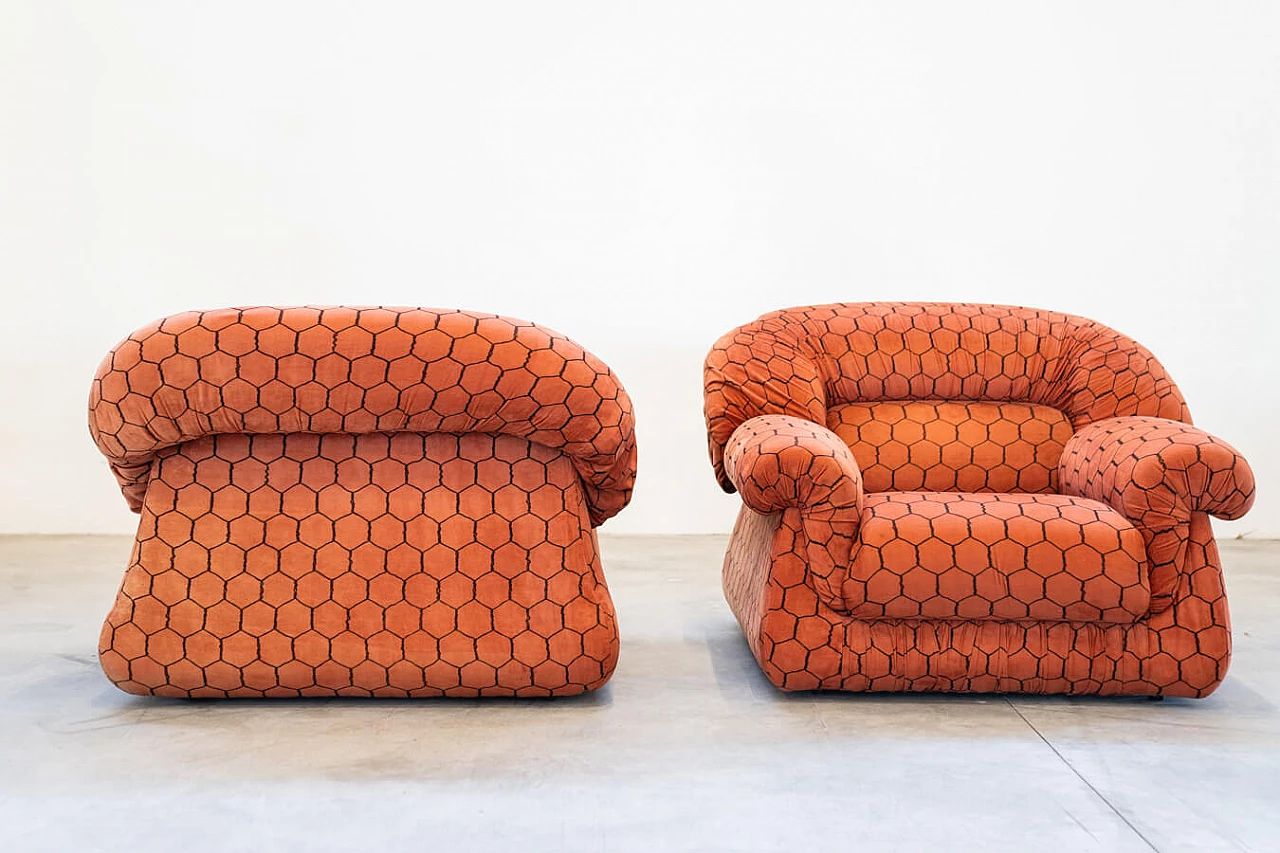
362,502
968,498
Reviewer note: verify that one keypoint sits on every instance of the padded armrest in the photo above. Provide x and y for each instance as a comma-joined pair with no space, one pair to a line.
1156,473
361,370
748,374
1141,465
779,462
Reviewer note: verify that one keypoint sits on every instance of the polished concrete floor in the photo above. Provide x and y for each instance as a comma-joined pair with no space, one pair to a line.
688,748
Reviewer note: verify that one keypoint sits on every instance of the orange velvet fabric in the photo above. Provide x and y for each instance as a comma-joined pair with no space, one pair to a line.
359,370
784,462
988,556
939,446
983,582
342,501
802,361
1157,473
802,644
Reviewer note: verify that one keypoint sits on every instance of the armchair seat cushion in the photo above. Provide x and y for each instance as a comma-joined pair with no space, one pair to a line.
947,555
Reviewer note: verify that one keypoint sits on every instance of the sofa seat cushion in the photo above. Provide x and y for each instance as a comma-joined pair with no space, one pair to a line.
940,555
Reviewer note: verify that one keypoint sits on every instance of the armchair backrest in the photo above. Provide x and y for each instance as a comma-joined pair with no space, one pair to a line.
361,370
991,381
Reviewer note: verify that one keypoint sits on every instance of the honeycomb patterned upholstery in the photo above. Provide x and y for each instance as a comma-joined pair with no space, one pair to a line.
362,501
802,361
1052,536
786,462
958,447
1158,473
983,556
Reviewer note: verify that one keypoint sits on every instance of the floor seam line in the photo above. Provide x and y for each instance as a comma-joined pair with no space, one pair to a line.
1080,776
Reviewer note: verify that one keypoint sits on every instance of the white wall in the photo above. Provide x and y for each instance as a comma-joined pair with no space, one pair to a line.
642,177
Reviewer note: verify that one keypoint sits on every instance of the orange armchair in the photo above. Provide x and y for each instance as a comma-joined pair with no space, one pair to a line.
362,501
968,498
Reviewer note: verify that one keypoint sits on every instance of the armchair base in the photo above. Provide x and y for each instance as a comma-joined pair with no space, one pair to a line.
802,643
402,565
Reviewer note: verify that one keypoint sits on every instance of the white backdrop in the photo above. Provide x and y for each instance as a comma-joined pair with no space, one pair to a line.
640,176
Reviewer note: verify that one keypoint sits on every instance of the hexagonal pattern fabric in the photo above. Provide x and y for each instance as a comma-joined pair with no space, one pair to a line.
987,556
1006,499
341,501
939,446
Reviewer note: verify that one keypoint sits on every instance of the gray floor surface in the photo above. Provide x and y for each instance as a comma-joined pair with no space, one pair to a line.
688,748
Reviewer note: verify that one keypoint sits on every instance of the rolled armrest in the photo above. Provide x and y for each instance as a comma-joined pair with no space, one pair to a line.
1141,465
1156,473
754,371
779,462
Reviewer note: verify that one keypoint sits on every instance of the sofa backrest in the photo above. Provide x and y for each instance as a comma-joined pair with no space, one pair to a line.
815,362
